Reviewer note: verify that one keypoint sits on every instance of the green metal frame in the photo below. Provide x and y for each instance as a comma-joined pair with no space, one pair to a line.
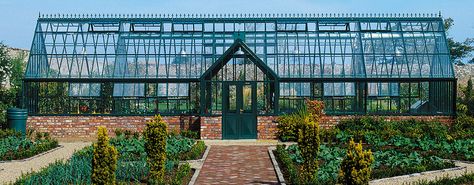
288,48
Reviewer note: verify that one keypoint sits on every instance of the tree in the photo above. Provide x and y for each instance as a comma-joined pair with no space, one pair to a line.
5,64
458,50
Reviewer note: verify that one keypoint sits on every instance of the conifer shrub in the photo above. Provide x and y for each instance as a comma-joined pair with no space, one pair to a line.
104,161
355,167
308,142
155,136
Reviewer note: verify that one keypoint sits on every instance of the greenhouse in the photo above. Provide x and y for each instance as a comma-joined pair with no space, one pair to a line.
239,67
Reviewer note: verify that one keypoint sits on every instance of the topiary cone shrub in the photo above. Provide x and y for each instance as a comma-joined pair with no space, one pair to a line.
155,135
355,168
308,142
104,161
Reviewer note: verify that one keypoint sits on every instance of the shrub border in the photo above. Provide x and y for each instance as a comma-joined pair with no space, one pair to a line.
35,156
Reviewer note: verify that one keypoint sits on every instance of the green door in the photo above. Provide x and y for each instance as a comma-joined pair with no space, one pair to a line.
239,110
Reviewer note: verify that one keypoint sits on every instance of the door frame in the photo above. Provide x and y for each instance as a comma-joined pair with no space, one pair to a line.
240,112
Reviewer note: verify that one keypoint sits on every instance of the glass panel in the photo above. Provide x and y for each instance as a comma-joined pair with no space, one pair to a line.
84,89
232,107
247,97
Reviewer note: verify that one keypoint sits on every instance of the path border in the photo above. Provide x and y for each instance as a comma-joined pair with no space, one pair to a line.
35,156
276,167
200,163
418,174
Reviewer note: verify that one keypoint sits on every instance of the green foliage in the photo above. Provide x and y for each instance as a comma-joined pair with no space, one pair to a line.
466,102
76,170
131,165
308,142
289,125
104,161
463,127
14,146
180,175
190,134
155,145
178,144
355,168
4,133
11,68
196,151
457,50
289,168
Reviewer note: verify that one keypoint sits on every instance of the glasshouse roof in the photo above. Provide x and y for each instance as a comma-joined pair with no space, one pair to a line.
304,46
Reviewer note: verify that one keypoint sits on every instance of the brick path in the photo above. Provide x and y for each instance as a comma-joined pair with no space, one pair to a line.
237,165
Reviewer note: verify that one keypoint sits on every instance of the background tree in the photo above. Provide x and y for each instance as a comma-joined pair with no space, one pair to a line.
11,69
458,50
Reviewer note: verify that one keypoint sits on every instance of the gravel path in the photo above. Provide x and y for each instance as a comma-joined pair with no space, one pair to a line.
414,178
10,171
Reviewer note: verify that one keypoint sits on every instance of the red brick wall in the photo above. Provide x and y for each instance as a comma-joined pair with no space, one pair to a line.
331,121
84,127
266,127
211,127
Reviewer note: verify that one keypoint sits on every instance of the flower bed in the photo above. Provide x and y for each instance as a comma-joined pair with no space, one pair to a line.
131,167
14,146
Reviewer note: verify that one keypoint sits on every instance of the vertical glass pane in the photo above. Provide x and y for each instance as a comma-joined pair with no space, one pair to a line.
247,97
232,98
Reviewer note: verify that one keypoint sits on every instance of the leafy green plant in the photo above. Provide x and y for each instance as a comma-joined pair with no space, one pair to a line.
197,150
190,134
290,170
14,146
356,166
155,136
104,161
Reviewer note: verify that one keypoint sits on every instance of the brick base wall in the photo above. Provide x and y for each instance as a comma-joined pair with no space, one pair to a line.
84,127
267,127
331,121
211,127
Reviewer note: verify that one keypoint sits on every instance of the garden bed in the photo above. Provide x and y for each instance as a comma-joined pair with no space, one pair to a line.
289,164
14,146
131,165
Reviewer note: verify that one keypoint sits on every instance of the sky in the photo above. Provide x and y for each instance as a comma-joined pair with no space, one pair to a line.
18,17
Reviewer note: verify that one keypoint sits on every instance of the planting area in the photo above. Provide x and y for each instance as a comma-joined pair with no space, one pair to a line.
15,146
397,147
132,164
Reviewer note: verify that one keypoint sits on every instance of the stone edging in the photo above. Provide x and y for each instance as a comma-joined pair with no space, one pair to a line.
35,156
281,179
198,170
418,174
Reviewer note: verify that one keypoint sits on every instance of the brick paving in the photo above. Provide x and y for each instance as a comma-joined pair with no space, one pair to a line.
237,165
